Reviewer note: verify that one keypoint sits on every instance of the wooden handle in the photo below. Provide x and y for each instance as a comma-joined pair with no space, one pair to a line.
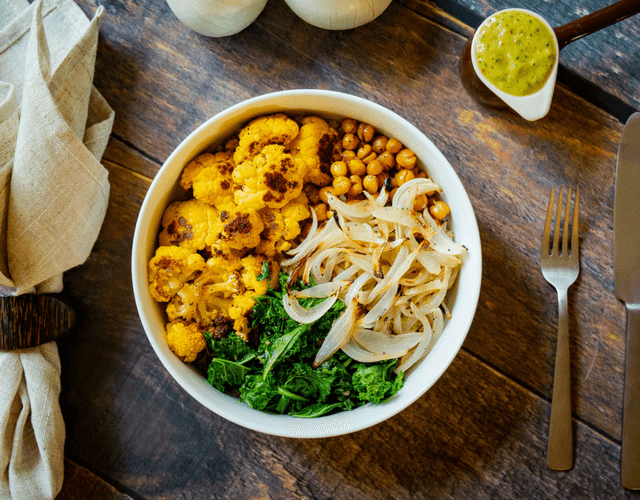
595,21
31,320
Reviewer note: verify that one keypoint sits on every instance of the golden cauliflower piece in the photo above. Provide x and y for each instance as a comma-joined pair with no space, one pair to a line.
252,269
272,242
292,214
185,340
208,297
236,228
239,311
211,179
272,179
170,269
186,224
316,147
270,129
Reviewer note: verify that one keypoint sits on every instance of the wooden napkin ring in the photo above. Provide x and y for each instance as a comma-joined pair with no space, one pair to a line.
30,320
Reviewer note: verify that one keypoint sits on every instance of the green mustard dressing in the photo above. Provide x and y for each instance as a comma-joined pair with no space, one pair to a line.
516,52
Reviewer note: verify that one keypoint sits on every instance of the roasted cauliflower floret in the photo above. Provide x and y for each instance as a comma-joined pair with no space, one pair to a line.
236,228
252,269
170,269
210,175
239,311
272,242
185,340
292,214
316,147
270,129
208,296
272,179
186,224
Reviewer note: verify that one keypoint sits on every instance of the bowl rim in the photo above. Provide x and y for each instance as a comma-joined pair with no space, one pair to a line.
441,356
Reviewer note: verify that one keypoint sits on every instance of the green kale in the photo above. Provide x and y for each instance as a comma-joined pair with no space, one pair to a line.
232,360
277,376
376,382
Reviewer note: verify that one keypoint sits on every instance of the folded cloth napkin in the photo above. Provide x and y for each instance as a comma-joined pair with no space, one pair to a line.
54,128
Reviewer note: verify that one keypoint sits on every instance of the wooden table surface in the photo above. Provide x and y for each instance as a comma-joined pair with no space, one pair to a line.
481,431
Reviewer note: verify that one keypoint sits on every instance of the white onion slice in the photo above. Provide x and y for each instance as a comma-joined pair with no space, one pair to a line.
353,350
301,315
328,232
320,291
339,335
383,343
359,212
381,307
441,242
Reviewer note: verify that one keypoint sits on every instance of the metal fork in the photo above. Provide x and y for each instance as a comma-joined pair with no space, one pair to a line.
560,267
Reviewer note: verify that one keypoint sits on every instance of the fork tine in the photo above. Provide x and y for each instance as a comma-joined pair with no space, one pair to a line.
565,233
547,226
556,234
574,231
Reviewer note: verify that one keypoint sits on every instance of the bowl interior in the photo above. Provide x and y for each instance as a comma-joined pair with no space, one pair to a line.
165,189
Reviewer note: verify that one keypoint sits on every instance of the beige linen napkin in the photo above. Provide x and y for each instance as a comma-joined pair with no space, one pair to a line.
54,128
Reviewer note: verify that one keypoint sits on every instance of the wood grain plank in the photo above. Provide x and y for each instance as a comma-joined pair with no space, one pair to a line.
475,434
481,431
507,165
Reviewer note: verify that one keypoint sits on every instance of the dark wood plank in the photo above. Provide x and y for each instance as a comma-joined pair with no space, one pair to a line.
481,431
476,434
507,165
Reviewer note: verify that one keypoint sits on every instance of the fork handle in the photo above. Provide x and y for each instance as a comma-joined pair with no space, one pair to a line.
560,446
630,460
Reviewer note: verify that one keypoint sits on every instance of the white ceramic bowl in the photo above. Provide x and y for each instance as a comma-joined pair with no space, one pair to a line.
463,300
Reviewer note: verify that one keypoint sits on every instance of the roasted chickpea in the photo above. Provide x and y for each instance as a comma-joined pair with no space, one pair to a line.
379,144
366,132
321,212
349,125
421,174
387,159
404,176
350,142
356,186
393,193
370,158
338,169
323,193
341,185
375,167
394,146
348,155
370,183
420,202
364,150
357,167
406,158
439,210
